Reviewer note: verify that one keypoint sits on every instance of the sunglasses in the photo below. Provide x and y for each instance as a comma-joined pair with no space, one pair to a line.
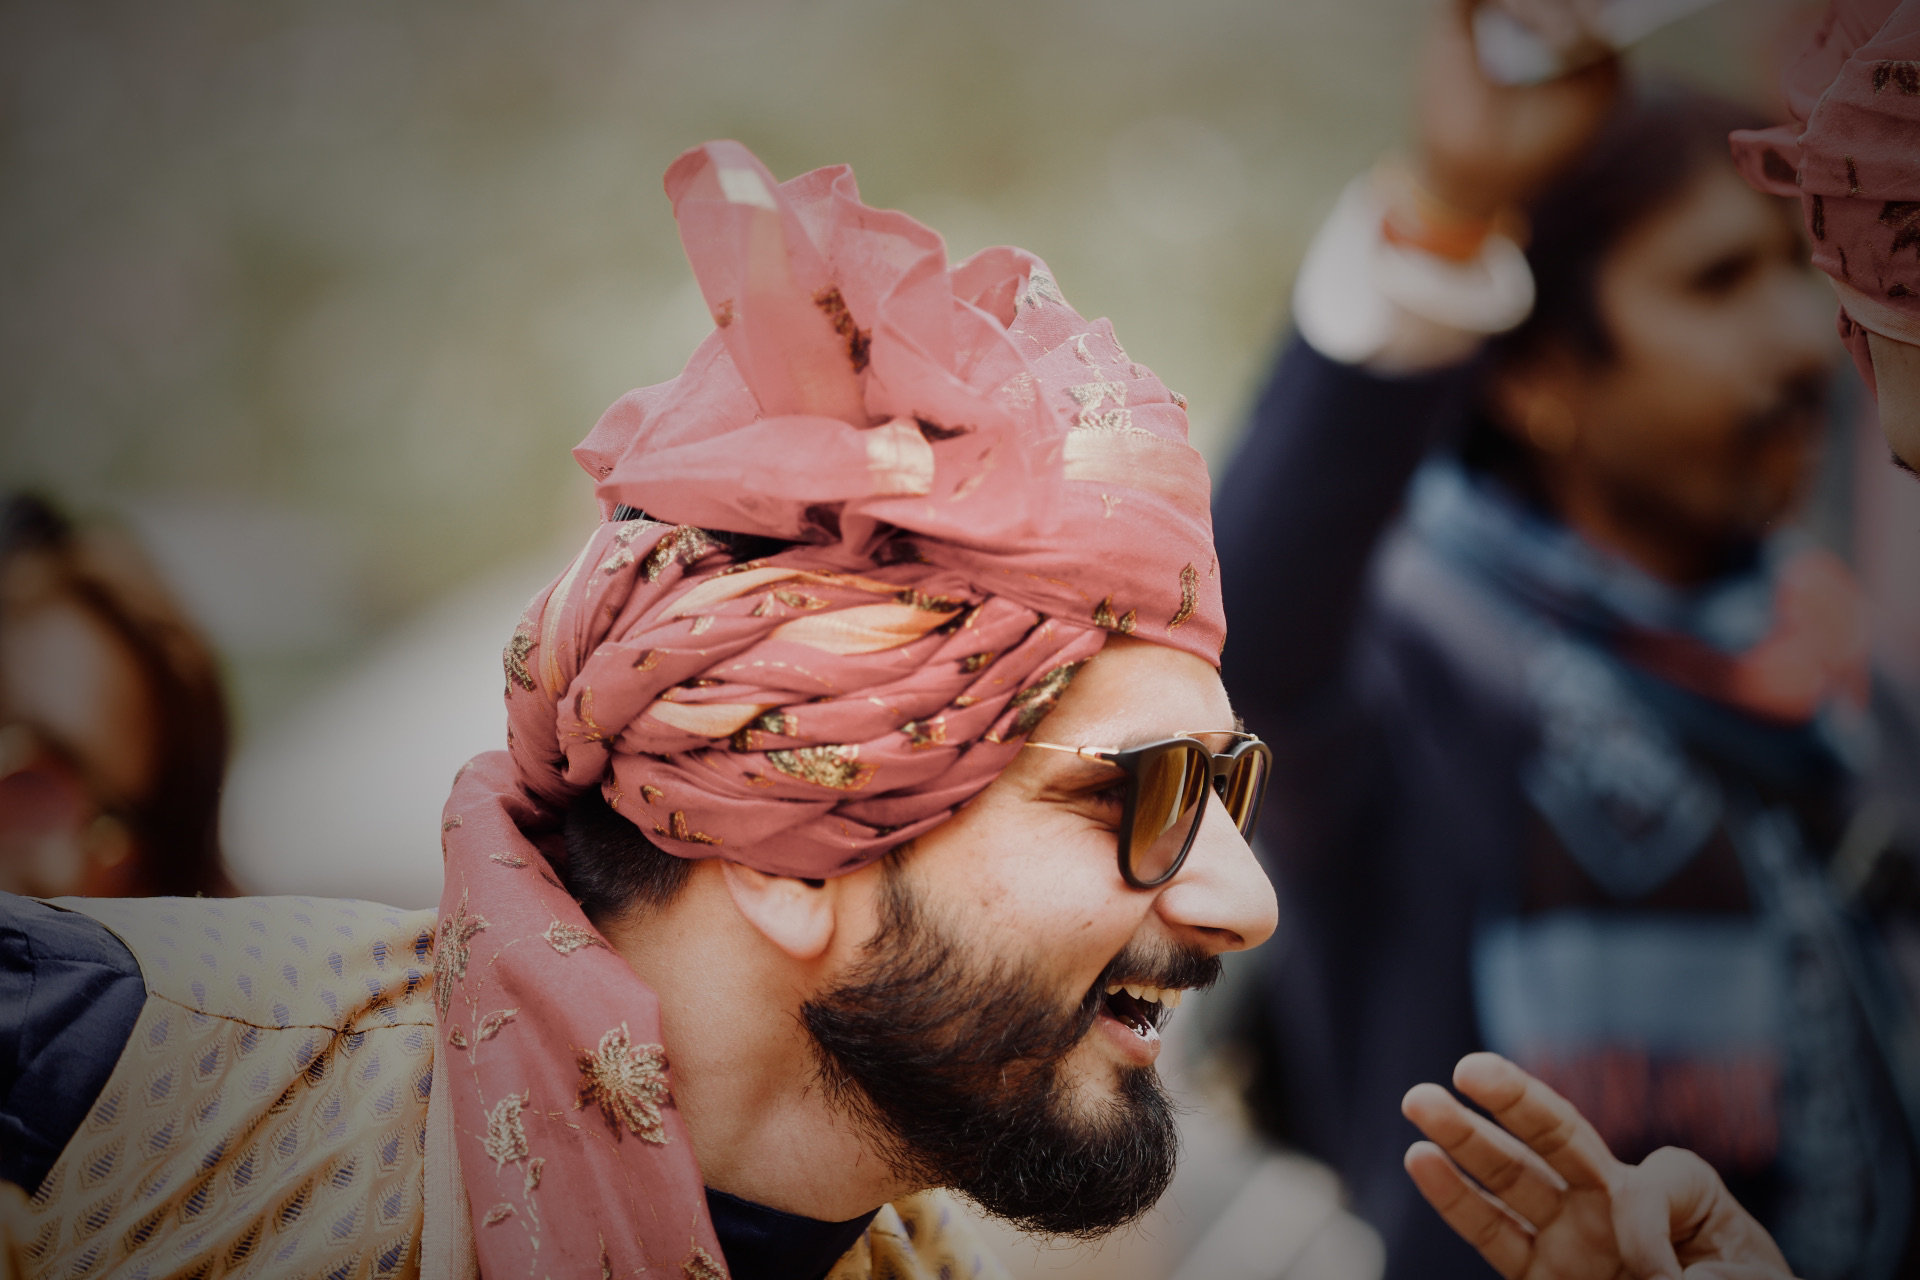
1166,795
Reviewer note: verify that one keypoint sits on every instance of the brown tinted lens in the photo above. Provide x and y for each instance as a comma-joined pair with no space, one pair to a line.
1246,784
1171,786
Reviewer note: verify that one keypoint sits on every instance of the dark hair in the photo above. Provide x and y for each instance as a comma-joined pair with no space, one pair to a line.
1660,137
176,824
611,866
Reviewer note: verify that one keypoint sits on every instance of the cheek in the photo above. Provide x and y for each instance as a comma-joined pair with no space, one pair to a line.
1681,374
1035,878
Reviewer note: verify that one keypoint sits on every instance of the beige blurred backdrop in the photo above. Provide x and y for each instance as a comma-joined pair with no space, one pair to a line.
318,297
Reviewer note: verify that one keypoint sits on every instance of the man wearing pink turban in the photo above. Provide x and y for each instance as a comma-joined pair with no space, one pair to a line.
1852,157
870,796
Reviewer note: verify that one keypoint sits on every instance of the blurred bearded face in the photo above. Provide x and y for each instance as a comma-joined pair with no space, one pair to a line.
1703,423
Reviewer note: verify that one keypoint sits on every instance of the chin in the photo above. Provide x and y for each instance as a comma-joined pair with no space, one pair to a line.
1091,1082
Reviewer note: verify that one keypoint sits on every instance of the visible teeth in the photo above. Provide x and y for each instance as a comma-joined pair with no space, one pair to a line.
1168,996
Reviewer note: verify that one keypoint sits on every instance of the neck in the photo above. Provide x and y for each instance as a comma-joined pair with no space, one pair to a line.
742,1065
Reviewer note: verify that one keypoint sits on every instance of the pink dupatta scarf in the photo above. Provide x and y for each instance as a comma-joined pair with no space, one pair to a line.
979,487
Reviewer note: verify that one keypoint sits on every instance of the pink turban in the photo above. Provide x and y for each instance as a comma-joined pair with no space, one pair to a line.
977,487
1852,156
981,486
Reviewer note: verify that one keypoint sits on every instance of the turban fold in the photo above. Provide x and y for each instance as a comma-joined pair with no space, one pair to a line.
1852,156
953,488
974,487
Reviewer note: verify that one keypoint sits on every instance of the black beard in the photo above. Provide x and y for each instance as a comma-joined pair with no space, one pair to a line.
955,1068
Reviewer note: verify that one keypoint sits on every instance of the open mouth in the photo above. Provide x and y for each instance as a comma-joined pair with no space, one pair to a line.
1141,1008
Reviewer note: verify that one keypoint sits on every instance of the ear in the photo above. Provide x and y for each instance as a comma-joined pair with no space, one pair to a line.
1534,403
797,916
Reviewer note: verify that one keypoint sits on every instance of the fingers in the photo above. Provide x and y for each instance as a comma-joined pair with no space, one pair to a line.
1492,1157
1672,1209
1539,1117
1476,1217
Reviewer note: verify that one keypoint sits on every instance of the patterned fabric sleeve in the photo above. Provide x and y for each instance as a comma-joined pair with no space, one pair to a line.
923,1237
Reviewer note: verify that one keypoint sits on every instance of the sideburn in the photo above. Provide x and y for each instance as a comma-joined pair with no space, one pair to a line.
954,1067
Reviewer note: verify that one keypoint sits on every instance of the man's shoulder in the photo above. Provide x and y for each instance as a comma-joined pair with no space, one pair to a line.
281,961
920,1238
269,1109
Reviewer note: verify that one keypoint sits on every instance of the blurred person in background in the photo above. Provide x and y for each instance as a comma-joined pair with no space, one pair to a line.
1851,157
1579,756
113,722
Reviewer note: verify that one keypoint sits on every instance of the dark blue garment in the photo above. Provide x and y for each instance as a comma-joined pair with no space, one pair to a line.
1400,829
69,996
767,1244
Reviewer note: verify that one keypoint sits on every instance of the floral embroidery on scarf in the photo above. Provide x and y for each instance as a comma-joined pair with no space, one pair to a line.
628,1083
683,543
506,1135
1038,698
1103,616
783,723
1189,597
836,766
451,952
922,734
858,340
701,1266
490,1025
569,938
681,831
515,657
497,1215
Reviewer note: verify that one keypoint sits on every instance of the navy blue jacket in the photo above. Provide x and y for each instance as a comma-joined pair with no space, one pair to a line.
1397,824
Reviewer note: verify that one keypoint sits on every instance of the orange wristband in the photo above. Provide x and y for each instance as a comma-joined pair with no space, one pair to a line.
1415,218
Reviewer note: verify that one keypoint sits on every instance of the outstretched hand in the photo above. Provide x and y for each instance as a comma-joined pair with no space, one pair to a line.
1540,1195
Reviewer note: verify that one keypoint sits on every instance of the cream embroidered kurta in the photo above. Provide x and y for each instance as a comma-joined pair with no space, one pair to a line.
270,1115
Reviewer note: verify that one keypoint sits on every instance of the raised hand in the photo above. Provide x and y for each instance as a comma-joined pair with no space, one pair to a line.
1484,148
1540,1196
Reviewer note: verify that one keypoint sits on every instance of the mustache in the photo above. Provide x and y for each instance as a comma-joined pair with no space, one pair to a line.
1800,401
1157,965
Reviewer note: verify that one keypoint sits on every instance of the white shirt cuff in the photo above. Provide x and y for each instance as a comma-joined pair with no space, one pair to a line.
1392,309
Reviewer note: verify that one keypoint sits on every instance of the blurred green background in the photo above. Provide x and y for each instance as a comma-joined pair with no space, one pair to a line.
319,296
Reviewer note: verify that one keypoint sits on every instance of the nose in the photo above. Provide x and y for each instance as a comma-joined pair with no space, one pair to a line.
1222,899
1801,319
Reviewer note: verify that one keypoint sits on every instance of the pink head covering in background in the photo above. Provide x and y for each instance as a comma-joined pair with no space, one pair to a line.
1852,156
977,486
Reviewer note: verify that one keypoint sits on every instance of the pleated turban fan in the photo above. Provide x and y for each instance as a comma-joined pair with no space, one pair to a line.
1852,157
953,489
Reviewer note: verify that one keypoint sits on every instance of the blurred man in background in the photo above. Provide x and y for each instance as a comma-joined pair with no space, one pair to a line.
1578,757
113,722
